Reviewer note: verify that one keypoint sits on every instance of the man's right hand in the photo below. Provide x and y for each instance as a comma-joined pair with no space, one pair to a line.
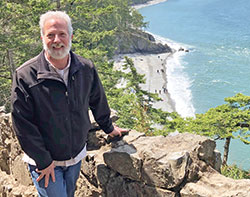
47,172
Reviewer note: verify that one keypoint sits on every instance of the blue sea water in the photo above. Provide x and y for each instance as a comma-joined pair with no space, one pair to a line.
217,35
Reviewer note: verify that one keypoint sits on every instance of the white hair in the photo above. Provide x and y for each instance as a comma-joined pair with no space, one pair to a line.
56,14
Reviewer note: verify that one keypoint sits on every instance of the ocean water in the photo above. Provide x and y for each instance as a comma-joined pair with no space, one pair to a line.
217,35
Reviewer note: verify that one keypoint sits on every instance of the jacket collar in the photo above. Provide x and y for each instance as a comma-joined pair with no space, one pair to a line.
75,64
44,72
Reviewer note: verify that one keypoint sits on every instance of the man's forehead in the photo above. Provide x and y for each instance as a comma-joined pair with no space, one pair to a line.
55,23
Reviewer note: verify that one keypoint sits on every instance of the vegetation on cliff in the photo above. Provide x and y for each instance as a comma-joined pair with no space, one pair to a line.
234,172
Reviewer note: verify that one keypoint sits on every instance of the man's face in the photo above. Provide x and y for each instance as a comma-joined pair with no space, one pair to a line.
56,38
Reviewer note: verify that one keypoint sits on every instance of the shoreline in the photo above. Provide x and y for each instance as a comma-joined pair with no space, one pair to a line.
153,2
154,67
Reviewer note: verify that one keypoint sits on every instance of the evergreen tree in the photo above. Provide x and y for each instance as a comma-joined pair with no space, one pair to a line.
19,38
133,104
227,121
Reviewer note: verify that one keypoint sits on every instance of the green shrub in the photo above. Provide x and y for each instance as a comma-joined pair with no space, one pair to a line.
234,172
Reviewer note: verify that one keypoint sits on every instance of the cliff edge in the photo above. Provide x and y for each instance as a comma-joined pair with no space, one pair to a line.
181,165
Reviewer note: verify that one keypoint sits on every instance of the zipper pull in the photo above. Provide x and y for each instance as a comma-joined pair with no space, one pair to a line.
67,98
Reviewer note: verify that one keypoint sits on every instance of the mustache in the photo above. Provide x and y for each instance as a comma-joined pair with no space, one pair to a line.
57,45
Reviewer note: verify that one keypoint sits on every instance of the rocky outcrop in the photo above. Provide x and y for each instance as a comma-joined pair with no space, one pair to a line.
214,184
153,166
135,2
139,2
14,177
139,42
133,165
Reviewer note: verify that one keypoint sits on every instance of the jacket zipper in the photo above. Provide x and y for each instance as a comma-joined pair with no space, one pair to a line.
71,80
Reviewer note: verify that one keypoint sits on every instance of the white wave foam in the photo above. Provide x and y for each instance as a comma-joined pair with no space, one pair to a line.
178,82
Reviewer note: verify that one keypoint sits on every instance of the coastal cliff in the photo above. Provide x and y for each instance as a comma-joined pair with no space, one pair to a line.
135,2
141,2
136,41
180,165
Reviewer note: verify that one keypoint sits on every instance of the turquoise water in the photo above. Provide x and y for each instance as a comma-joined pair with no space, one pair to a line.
217,34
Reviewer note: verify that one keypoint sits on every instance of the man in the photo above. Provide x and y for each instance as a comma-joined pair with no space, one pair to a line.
51,95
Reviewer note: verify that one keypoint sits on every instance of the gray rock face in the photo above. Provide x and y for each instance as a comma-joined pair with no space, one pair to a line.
139,42
135,2
182,165
14,177
162,162
213,184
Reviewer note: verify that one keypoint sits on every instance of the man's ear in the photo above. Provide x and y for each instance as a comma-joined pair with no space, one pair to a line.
72,37
41,37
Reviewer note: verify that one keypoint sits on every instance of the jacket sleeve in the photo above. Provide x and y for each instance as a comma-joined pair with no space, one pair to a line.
24,125
99,104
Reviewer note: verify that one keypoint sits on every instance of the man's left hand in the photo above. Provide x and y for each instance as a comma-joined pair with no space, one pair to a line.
118,131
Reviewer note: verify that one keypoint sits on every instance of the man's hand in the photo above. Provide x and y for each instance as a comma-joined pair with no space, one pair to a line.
47,172
118,131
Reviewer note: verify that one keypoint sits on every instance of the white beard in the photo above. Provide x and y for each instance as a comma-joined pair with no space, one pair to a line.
57,54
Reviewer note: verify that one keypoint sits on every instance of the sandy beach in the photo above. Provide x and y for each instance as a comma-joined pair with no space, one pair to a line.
153,66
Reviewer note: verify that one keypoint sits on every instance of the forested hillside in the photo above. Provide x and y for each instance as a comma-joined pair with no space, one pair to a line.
97,25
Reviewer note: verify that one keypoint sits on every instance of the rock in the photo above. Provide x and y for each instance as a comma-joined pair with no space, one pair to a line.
141,161
19,170
133,165
217,162
2,110
14,177
119,186
213,184
103,174
85,189
96,140
140,42
133,136
145,161
4,160
125,155
136,2
9,187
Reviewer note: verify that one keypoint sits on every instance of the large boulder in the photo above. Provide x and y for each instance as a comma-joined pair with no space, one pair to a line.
180,165
162,162
213,184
